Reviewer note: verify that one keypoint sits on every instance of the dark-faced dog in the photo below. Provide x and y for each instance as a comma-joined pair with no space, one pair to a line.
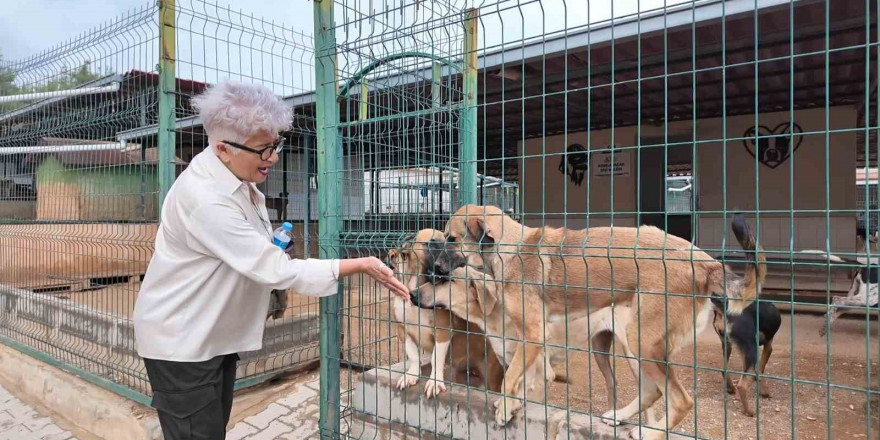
755,326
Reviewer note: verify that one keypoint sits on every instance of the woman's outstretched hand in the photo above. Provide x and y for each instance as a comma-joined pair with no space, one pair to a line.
375,269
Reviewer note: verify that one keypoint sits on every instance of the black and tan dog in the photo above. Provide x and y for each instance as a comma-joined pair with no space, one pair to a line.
749,328
550,274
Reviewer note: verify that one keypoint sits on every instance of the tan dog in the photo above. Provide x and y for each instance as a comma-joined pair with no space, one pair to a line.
475,296
550,273
434,331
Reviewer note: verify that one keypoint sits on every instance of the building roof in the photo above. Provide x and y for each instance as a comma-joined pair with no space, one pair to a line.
704,59
83,153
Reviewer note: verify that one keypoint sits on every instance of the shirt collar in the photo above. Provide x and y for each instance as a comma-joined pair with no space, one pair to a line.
225,180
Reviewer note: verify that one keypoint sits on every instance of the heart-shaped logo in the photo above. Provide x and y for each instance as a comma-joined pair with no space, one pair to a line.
576,164
774,146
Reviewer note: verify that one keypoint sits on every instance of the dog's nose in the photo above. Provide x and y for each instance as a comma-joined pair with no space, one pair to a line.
438,274
414,297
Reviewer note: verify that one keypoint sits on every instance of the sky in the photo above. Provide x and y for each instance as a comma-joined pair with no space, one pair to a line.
208,51
30,26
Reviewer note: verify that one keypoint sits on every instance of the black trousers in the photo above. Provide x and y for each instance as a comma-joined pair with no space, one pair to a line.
193,399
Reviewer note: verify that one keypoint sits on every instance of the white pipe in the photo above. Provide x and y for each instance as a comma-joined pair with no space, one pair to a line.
60,148
114,87
679,189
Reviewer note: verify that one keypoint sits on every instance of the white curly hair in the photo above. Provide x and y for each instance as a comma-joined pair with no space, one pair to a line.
234,111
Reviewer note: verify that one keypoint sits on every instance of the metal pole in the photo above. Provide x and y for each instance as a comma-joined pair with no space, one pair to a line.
112,88
364,107
167,98
468,133
307,218
329,201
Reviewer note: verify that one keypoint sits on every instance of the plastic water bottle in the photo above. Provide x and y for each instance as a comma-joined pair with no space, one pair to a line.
281,236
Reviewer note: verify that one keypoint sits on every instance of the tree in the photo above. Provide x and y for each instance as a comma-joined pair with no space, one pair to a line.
7,79
66,79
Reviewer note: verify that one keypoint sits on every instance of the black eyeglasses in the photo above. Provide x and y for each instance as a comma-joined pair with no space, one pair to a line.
265,153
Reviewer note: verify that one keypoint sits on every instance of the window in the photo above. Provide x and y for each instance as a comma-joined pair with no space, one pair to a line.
679,193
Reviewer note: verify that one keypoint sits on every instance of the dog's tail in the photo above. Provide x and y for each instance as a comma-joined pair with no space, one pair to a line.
736,291
756,271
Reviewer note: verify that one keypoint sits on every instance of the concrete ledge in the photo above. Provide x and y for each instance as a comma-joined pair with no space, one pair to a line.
79,403
383,412
104,343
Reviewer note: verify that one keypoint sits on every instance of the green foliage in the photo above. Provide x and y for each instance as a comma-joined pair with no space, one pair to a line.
64,80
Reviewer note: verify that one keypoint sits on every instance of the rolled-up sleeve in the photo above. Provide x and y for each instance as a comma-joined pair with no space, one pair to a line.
221,230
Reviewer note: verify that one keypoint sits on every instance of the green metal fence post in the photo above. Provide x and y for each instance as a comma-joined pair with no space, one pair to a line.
167,97
436,95
468,136
329,200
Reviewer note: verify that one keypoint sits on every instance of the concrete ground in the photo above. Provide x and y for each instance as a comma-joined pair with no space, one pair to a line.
293,416
21,421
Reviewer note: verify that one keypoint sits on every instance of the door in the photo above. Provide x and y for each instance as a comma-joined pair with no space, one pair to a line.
666,193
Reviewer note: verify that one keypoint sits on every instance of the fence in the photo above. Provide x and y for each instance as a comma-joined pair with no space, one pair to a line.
671,114
83,171
561,114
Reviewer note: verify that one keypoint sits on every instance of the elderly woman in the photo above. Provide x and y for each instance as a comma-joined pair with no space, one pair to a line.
205,295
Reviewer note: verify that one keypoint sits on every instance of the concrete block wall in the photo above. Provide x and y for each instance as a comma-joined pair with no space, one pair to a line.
95,339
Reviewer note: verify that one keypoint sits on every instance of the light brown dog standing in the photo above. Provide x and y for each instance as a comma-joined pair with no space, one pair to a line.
474,295
435,331
548,273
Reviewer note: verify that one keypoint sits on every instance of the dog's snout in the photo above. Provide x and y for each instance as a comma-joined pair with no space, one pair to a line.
414,297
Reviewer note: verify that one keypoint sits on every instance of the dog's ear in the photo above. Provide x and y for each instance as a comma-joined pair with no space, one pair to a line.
479,227
487,292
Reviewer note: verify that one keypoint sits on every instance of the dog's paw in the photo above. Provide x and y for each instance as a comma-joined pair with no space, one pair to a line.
504,409
610,418
636,433
765,391
434,387
647,434
407,380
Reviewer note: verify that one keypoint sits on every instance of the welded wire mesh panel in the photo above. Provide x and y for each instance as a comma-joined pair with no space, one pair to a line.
402,128
80,184
866,198
632,132
79,204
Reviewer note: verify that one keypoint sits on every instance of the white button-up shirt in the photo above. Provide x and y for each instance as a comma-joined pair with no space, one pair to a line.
206,290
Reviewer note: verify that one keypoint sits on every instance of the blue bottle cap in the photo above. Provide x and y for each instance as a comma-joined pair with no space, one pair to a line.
287,226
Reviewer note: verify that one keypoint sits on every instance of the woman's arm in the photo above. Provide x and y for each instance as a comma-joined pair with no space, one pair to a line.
222,231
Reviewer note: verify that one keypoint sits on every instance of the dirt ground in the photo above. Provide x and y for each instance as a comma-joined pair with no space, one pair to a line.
370,339
805,410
